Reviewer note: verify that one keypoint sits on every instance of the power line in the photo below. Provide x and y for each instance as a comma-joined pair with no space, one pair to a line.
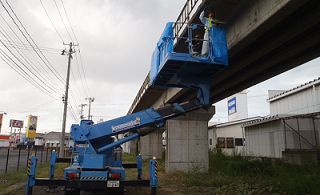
41,83
24,46
69,22
51,21
84,75
36,75
74,79
51,69
84,89
21,45
85,80
24,74
38,106
63,21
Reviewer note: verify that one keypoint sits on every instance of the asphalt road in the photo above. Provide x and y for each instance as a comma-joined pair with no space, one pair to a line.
13,158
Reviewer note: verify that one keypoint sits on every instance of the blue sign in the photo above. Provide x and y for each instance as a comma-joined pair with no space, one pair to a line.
232,106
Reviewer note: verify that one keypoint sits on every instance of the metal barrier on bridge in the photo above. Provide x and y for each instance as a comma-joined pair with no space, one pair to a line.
184,16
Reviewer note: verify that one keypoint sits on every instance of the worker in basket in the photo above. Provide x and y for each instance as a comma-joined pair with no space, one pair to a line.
196,44
211,21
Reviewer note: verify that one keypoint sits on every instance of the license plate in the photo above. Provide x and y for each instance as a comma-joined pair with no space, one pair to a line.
113,184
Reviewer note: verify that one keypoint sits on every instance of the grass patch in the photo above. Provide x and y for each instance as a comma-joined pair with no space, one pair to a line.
42,171
266,175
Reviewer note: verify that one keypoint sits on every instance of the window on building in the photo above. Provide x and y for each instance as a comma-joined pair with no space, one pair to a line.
238,141
210,142
221,142
230,143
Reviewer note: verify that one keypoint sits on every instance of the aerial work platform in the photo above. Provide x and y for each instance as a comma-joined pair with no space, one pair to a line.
177,65
189,70
168,66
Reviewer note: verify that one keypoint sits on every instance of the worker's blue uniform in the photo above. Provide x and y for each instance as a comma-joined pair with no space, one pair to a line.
207,23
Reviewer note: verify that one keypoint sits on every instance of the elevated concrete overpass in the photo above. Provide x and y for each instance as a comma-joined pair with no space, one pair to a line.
265,38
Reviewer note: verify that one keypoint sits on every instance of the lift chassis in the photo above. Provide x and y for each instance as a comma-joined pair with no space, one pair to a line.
96,162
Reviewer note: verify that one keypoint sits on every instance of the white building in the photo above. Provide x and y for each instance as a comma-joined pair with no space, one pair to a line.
292,131
237,106
299,100
229,137
293,138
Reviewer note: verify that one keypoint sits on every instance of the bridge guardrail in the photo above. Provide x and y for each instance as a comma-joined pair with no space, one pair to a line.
143,89
184,16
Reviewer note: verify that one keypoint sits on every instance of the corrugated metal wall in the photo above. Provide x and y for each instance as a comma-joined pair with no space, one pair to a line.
304,127
302,102
265,139
269,139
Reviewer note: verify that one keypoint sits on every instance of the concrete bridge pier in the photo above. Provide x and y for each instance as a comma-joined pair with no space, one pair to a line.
187,142
151,145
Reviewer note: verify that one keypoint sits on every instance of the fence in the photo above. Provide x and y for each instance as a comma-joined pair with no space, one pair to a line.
12,159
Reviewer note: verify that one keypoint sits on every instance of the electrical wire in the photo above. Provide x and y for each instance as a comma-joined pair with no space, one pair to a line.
41,82
42,79
69,22
22,45
63,21
22,72
50,68
11,30
51,21
84,75
25,75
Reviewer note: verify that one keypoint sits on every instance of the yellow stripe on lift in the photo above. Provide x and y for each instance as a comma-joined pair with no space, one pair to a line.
93,178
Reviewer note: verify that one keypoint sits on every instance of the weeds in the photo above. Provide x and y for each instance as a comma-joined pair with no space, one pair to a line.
265,175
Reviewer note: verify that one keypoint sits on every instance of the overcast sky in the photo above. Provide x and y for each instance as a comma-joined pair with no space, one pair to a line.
116,40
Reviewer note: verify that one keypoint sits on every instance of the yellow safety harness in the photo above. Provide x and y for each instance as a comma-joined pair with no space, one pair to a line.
210,23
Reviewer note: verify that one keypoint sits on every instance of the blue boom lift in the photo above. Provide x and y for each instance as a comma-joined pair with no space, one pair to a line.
96,162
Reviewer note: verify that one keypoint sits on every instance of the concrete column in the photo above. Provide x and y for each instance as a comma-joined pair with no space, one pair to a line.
187,142
151,145
133,145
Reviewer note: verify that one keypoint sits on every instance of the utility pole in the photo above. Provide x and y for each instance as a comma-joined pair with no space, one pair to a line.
1,116
81,114
90,100
61,153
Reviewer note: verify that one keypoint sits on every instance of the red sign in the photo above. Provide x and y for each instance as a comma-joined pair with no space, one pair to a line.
16,123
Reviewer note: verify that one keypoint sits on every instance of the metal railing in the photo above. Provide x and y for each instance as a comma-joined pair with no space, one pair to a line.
184,16
143,89
12,159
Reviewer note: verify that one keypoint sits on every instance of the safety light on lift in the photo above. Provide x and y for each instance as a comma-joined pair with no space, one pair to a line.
73,175
115,175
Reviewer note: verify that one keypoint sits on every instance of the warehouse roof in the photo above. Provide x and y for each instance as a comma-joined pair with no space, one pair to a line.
294,90
236,122
278,117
